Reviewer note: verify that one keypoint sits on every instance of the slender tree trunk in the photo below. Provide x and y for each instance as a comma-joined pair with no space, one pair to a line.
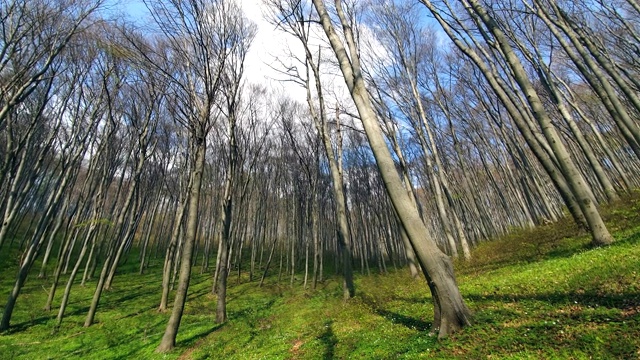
599,232
147,236
517,115
169,338
451,313
72,277
171,253
222,267
52,236
594,76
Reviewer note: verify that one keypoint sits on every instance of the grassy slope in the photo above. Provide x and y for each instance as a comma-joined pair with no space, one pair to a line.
536,294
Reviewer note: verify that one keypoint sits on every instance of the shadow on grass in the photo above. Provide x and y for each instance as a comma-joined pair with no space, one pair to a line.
138,312
45,318
533,250
328,340
198,294
128,297
407,321
585,325
27,324
251,314
191,340
252,310
182,344
592,299
396,318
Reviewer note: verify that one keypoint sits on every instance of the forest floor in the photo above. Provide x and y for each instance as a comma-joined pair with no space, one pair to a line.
536,294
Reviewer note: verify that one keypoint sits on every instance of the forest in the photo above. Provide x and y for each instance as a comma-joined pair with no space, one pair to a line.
428,179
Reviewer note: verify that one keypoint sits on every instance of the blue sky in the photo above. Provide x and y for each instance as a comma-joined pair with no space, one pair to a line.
268,45
134,9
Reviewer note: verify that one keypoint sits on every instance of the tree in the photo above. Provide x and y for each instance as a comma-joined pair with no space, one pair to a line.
450,311
291,17
413,48
29,81
599,232
201,37
243,33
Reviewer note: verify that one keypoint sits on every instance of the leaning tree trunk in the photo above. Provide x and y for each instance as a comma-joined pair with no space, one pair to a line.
223,258
599,232
169,338
519,116
451,313
335,169
170,254
593,74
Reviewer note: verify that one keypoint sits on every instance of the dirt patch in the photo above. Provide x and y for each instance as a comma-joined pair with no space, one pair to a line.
295,349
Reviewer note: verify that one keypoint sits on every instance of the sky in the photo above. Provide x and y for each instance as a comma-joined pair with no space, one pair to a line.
268,45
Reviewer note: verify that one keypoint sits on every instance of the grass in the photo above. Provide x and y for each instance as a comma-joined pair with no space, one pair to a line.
536,294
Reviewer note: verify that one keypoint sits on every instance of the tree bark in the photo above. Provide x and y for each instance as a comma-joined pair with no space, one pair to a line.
451,313
168,341
599,232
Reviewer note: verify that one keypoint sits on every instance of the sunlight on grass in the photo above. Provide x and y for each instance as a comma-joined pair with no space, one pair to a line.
536,294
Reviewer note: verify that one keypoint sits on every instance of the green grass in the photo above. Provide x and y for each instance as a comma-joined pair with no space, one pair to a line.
537,294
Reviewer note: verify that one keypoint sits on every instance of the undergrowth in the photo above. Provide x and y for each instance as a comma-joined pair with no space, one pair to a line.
543,293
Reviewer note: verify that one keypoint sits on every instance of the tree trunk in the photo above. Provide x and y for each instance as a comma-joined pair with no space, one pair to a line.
451,313
168,341
599,232
171,253
518,115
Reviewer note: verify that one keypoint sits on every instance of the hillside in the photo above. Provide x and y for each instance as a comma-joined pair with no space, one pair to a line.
536,294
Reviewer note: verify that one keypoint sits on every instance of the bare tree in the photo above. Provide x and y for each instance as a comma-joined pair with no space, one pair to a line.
579,188
201,38
408,48
31,134
243,33
451,313
295,19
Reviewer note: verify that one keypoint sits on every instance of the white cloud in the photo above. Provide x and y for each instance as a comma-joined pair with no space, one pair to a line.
268,49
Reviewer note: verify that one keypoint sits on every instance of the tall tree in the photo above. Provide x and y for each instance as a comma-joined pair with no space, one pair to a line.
201,37
450,311
293,18
36,37
600,234
243,33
